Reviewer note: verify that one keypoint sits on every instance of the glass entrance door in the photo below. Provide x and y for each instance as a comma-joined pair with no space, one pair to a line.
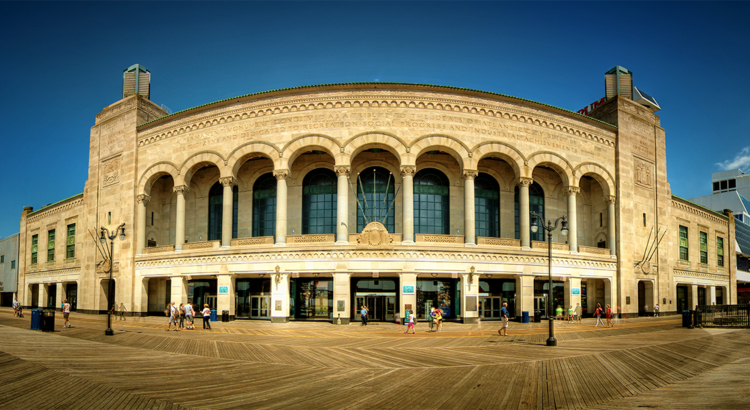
540,304
381,308
259,307
489,307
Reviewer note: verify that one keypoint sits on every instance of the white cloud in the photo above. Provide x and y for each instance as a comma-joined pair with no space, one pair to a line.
741,160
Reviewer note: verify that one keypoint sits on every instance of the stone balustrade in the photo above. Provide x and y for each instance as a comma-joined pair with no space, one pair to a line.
158,249
258,240
594,251
201,245
439,239
317,238
555,246
489,241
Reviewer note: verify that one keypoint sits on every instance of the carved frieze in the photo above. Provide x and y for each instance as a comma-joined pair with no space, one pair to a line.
111,171
644,173
375,235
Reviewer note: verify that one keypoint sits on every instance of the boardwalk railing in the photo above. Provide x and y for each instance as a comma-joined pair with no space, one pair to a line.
723,316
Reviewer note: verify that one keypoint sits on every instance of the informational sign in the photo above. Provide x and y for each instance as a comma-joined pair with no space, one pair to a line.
576,291
471,303
340,306
223,290
408,290
277,305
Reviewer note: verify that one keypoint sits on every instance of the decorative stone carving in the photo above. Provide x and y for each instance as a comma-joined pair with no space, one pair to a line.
227,181
408,170
375,235
281,174
643,173
143,199
258,240
180,189
342,170
610,199
525,181
573,190
111,171
470,174
485,240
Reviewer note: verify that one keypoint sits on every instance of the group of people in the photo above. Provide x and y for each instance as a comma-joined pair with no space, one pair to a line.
574,314
608,315
185,313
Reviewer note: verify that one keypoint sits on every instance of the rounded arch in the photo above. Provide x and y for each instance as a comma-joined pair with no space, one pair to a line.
298,145
155,172
248,183
373,139
506,152
382,164
196,161
599,173
319,205
453,179
251,149
555,161
502,182
452,145
298,178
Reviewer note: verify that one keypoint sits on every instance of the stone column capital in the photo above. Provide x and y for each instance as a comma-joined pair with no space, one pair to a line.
342,170
470,173
525,181
610,199
227,181
408,170
180,189
281,174
142,199
573,190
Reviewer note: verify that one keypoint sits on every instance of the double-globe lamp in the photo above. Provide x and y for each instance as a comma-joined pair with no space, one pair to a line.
551,341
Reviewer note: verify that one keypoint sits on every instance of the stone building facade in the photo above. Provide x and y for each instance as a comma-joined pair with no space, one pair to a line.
306,203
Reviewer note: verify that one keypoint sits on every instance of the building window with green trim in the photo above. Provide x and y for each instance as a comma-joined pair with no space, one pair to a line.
704,248
51,246
720,251
684,243
34,249
487,206
376,189
70,242
319,202
431,202
264,206
2,258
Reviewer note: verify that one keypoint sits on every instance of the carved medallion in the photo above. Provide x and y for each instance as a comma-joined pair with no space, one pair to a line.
375,235
644,173
111,171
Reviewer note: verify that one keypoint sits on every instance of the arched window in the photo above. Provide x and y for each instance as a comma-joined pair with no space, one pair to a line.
264,206
486,206
376,201
319,202
536,204
431,199
216,211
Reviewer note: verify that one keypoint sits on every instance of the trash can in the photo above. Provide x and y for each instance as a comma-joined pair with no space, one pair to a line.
537,316
213,316
225,316
36,319
524,317
48,321
686,318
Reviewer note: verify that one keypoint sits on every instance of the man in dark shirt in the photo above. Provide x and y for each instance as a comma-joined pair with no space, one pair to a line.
504,314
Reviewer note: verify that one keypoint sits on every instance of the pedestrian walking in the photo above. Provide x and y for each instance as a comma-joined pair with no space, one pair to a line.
433,320
123,309
579,313
363,314
559,313
206,317
66,313
189,316
174,315
182,316
504,315
598,314
571,314
412,322
16,305
609,317
656,310
438,320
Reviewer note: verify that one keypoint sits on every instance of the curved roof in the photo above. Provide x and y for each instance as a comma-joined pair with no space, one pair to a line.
375,86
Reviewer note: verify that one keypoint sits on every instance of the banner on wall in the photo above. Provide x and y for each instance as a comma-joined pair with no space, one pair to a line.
407,290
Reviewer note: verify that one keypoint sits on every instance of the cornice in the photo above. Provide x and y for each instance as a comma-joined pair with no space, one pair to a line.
702,275
687,207
45,212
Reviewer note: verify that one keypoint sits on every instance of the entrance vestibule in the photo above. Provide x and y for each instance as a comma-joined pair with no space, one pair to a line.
378,295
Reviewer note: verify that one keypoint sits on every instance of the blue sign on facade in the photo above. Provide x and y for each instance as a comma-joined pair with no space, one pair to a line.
408,290
223,290
576,291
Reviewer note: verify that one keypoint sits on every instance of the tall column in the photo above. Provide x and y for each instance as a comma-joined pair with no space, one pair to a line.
281,197
572,293
279,297
59,294
342,205
140,243
341,298
525,295
572,219
407,293
523,212
225,298
407,179
178,292
611,225
227,211
179,237
470,284
43,295
711,295
469,220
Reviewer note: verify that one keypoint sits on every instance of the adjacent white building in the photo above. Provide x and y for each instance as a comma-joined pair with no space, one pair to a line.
8,269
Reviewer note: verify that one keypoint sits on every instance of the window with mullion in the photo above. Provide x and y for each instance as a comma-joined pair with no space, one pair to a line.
486,206
684,243
431,202
34,249
216,211
70,242
704,248
264,206
319,202
51,246
720,251
375,202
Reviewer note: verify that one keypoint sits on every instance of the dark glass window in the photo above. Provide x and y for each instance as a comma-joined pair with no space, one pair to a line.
34,249
264,206
536,204
51,246
375,202
683,243
216,211
431,202
704,247
319,202
720,251
486,206
716,186
723,185
70,242
732,183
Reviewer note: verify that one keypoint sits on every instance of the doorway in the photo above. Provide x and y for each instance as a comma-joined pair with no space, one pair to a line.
253,298
71,291
379,295
51,295
489,307
259,307
540,305
381,308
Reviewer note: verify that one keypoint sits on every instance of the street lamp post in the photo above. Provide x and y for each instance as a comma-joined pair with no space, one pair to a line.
551,341
103,239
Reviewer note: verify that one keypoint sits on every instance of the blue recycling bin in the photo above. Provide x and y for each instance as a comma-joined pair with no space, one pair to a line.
524,317
685,318
213,316
36,319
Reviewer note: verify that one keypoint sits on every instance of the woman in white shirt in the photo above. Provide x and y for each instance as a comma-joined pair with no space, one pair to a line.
412,321
206,317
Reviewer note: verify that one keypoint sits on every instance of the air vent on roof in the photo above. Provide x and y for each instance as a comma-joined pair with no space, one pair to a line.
619,81
136,80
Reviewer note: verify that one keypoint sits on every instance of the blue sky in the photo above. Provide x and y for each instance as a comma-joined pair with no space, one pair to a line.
63,63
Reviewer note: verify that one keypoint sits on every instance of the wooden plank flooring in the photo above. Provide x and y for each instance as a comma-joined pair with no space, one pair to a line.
145,367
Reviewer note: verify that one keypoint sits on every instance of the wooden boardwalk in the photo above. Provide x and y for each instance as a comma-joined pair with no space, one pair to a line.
331,367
